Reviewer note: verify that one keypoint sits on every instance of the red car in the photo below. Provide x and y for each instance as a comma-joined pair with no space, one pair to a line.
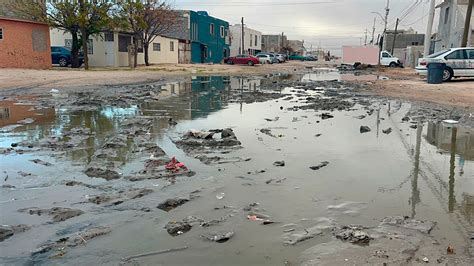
243,59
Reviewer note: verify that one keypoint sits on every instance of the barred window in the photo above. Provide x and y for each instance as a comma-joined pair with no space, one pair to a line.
156,46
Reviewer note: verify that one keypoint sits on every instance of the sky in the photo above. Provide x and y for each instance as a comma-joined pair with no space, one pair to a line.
328,24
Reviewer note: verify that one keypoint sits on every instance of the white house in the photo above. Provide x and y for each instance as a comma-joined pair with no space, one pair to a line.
110,49
252,41
452,14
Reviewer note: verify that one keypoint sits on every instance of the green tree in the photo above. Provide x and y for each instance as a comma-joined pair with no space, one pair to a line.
147,19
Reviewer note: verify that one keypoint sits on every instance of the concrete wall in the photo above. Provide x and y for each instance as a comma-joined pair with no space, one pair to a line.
105,53
451,25
403,40
250,47
24,45
272,43
409,56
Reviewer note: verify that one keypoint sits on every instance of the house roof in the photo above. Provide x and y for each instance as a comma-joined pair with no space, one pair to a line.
22,20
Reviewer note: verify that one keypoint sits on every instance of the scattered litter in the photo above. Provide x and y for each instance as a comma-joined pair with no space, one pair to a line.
175,166
450,250
170,204
425,259
325,116
220,196
41,162
449,121
153,253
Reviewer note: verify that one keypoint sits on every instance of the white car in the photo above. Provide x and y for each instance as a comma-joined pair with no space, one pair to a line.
459,63
265,59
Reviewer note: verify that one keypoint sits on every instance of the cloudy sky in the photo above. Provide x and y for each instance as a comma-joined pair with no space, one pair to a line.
325,23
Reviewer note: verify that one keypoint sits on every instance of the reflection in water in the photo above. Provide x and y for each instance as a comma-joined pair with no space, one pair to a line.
439,135
11,112
452,198
415,192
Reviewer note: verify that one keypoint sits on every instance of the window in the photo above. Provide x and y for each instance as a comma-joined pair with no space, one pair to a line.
54,49
124,42
446,15
109,37
456,55
172,46
222,32
385,55
139,46
256,40
157,46
251,40
1,33
211,29
470,54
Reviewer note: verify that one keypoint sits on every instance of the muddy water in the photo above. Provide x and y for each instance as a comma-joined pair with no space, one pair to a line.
426,173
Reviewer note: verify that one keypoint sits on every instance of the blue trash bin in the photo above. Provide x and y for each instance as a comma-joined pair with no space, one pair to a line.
435,73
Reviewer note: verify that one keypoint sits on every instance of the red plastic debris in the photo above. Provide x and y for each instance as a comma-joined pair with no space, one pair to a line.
175,166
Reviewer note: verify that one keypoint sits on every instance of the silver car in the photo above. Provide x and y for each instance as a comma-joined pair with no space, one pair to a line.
265,59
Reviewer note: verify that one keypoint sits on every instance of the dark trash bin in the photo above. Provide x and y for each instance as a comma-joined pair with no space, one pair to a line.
435,73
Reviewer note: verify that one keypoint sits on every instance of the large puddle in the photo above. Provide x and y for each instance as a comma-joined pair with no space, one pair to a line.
421,170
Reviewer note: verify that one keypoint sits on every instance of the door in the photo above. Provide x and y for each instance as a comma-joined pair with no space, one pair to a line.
457,61
470,63
110,53
385,59
55,51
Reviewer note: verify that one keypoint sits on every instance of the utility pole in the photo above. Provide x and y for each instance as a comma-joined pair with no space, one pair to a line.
395,35
373,32
467,24
243,37
282,41
429,28
365,42
387,11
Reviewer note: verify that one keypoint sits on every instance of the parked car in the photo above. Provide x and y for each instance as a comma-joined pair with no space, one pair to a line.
62,56
459,63
281,58
297,57
265,59
386,59
311,58
243,59
272,56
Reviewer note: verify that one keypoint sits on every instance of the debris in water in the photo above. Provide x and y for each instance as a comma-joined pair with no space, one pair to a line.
364,129
319,166
177,228
279,163
175,166
387,131
41,162
220,196
220,237
170,204
106,174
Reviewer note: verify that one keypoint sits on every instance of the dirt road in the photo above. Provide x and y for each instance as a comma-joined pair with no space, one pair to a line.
403,83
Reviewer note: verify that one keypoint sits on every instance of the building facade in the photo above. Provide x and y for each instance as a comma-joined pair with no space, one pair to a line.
202,38
110,49
274,43
296,47
252,41
404,39
451,24
24,44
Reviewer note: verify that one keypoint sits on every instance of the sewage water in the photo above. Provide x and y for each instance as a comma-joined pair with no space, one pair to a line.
426,173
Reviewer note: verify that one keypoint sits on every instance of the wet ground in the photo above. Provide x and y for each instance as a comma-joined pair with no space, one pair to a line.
274,168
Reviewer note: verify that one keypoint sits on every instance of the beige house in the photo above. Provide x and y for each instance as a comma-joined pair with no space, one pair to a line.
110,49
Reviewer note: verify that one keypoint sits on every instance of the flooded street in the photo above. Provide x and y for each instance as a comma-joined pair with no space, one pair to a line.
281,162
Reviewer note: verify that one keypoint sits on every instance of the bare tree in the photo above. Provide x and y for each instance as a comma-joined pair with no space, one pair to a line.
147,20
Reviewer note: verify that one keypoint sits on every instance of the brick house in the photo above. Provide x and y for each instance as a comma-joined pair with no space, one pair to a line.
24,44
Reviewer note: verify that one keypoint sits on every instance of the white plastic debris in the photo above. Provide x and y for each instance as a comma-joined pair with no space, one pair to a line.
220,196
449,121
425,259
